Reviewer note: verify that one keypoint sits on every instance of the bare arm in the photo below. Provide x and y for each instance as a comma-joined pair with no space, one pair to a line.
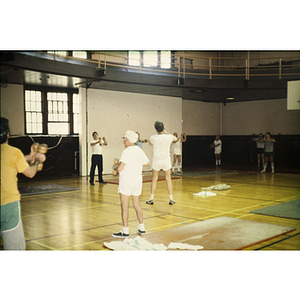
104,142
31,170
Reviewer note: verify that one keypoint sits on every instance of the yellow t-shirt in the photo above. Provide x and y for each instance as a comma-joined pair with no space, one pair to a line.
12,163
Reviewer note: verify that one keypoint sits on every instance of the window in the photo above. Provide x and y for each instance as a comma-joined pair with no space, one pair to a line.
79,54
134,58
51,112
150,58
61,53
58,115
76,113
165,59
33,112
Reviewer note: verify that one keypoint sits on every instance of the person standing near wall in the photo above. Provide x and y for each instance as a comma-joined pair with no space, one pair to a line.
13,162
131,181
97,159
161,143
140,142
269,152
260,146
217,144
176,150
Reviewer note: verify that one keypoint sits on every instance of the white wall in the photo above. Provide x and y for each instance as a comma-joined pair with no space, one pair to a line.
12,107
200,118
112,113
246,118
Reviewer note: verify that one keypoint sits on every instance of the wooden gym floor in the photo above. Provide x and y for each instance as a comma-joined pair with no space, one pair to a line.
84,219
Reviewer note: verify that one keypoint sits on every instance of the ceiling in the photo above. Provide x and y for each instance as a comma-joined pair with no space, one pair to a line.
20,68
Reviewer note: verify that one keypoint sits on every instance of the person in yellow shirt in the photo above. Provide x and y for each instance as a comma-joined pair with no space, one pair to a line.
13,162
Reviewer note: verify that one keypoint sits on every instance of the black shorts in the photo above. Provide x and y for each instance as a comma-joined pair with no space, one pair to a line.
260,150
269,154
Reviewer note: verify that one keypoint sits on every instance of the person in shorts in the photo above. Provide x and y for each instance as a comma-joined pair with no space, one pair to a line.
132,160
217,145
13,162
161,143
260,149
269,152
176,150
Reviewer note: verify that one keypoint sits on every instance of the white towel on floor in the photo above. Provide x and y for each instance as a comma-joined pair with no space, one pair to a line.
184,246
218,187
137,243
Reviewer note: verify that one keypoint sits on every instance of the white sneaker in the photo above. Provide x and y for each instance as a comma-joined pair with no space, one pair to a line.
263,171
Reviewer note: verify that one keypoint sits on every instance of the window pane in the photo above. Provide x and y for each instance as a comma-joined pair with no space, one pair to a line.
32,95
79,54
150,58
40,127
28,117
58,128
59,104
38,96
54,106
134,58
165,59
33,115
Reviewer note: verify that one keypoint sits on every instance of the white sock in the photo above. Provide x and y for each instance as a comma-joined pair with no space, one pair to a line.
125,230
171,197
151,196
141,227
219,162
272,165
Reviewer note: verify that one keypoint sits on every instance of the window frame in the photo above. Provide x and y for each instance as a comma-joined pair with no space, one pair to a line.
44,90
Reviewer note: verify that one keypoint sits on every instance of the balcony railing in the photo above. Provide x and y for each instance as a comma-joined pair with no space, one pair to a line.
193,66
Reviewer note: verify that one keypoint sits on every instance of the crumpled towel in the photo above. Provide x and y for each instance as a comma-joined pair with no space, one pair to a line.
184,246
137,243
218,187
203,194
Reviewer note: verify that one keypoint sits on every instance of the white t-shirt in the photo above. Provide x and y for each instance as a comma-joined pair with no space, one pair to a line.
218,148
161,144
134,158
97,149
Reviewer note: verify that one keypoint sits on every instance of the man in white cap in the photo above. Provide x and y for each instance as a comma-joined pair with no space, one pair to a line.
132,160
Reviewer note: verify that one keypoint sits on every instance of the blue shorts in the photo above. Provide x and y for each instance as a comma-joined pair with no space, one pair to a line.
10,216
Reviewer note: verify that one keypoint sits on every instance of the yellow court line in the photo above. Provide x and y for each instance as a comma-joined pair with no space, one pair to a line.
288,198
43,245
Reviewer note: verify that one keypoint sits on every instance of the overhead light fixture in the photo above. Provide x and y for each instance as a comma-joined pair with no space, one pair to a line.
230,98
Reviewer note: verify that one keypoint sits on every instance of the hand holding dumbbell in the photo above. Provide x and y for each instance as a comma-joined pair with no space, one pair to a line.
115,167
38,154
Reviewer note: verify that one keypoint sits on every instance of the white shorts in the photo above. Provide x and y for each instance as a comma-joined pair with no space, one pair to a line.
130,190
218,151
161,164
177,152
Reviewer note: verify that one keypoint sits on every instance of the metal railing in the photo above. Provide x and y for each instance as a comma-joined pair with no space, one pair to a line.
207,67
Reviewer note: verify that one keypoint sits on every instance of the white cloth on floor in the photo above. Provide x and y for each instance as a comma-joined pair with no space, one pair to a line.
137,243
184,246
218,187
204,194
